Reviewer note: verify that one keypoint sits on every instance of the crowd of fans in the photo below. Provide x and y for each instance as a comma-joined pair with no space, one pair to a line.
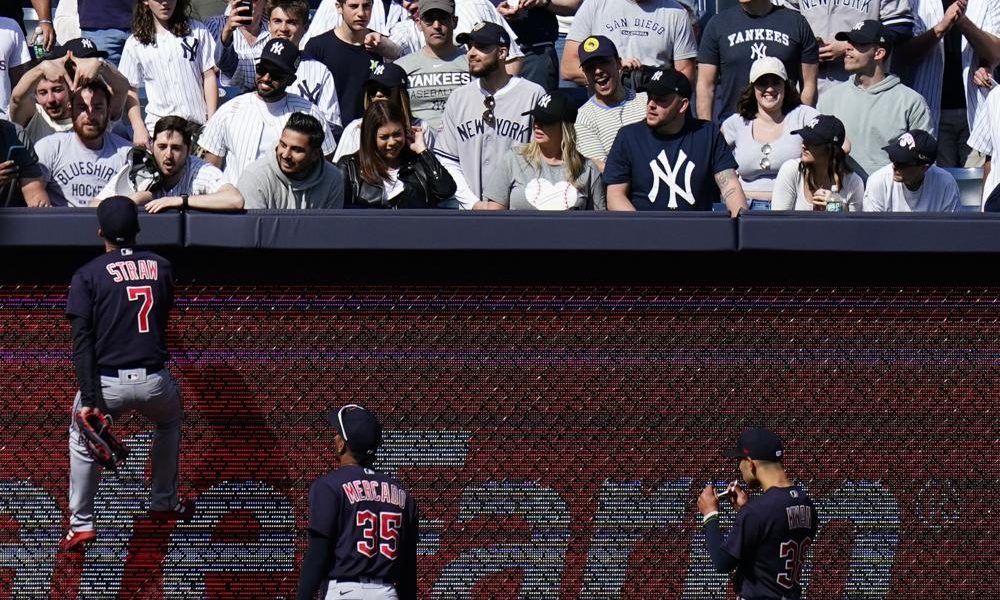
478,104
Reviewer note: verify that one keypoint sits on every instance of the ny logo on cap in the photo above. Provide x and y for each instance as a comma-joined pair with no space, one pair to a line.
544,102
858,26
906,141
590,44
276,48
379,69
812,124
657,76
87,43
479,25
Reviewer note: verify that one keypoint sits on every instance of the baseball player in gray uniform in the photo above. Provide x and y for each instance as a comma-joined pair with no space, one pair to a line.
485,118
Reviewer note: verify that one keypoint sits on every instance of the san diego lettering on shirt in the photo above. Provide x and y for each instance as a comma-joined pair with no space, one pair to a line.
647,24
510,129
133,270
799,517
861,5
758,35
370,490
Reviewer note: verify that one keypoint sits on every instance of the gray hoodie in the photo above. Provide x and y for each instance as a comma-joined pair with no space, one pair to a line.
874,117
263,185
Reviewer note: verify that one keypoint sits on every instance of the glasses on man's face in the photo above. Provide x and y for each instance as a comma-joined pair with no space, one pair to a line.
765,159
435,17
276,76
488,116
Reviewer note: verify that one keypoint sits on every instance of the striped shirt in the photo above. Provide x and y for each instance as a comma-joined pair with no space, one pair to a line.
237,61
985,14
172,71
926,75
597,125
246,127
199,178
985,136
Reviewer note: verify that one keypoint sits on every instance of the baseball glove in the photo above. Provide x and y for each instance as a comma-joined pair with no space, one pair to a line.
143,172
103,446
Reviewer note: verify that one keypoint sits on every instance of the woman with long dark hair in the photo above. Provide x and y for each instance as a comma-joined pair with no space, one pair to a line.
809,182
393,168
760,132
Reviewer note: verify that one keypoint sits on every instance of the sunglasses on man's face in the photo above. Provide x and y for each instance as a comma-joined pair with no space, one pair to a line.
277,76
488,116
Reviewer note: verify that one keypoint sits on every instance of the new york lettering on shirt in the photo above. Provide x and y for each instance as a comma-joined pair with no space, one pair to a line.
861,5
504,128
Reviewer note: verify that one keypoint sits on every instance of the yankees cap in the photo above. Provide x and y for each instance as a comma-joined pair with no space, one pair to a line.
118,218
81,47
359,428
597,46
485,34
768,65
664,82
553,107
388,75
913,147
427,6
822,129
759,444
282,55
866,32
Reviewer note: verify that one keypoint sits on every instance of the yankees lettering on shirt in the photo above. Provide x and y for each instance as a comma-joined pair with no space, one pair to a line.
133,270
425,80
371,490
758,35
644,27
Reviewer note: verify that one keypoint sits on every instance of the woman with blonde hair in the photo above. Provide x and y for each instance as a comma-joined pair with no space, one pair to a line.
547,173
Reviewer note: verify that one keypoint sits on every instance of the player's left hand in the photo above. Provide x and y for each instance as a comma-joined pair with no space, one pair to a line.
832,51
155,206
707,500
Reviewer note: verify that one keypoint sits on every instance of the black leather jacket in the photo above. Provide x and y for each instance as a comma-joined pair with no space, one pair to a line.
425,183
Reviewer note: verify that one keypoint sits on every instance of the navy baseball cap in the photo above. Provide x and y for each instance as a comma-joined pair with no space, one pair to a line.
359,428
281,54
388,75
913,147
118,218
866,32
485,34
759,444
597,46
553,107
664,82
81,47
822,129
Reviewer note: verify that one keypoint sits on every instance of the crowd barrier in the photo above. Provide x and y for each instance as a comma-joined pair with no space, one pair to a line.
555,421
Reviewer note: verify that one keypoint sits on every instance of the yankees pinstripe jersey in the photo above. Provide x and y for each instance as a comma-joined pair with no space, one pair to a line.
247,126
171,69
985,136
314,82
986,15
926,76
237,61
13,53
469,12
469,146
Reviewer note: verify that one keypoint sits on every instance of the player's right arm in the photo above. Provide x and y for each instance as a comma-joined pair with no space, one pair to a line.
79,310
324,511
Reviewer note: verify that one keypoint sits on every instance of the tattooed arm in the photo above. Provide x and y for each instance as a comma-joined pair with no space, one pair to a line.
732,191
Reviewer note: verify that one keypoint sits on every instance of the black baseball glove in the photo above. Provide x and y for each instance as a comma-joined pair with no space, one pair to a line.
104,447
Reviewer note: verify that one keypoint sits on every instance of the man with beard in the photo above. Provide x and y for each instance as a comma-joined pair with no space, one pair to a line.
79,163
485,118
40,102
294,175
249,125
181,181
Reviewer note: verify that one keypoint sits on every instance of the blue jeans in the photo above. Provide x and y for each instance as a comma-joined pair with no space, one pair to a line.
111,41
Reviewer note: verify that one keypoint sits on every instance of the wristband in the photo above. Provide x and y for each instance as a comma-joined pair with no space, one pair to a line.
184,201
44,21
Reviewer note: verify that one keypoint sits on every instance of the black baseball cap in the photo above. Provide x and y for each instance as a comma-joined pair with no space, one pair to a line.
388,75
663,82
759,444
822,129
553,107
866,32
81,47
597,46
118,218
359,428
427,6
485,33
281,54
914,146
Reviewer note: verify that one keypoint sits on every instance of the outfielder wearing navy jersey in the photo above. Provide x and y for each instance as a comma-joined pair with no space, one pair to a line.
362,523
768,543
118,306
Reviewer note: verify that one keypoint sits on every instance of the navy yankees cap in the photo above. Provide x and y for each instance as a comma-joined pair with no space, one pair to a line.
359,428
388,75
664,82
485,33
118,218
759,444
282,55
822,129
866,32
597,46
913,147
80,47
553,107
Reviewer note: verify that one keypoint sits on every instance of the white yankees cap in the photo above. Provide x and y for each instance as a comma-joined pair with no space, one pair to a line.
767,65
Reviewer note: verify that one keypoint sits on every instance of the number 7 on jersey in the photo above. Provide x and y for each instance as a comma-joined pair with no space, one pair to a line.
145,293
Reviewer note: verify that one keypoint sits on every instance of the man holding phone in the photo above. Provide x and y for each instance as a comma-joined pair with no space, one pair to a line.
242,34
21,181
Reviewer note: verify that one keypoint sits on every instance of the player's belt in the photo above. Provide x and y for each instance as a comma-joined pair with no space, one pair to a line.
113,371
372,580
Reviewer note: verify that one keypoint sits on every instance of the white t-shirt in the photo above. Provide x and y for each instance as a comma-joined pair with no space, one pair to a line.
199,178
75,174
658,32
246,127
789,192
13,53
171,69
938,193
